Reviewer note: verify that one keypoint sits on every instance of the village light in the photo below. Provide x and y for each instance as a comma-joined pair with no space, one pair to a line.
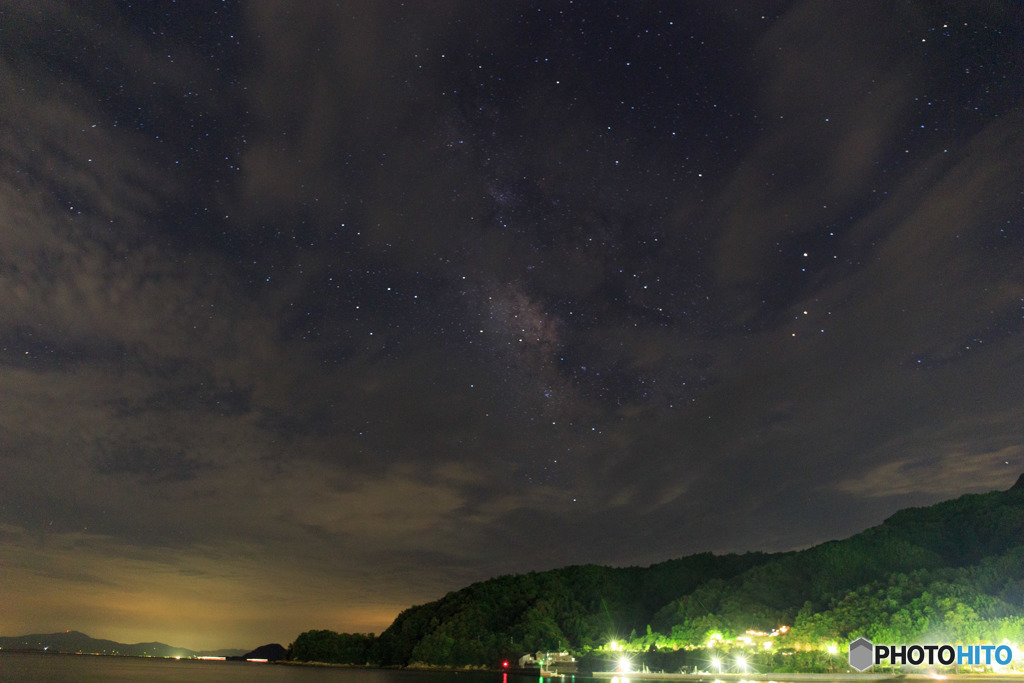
741,662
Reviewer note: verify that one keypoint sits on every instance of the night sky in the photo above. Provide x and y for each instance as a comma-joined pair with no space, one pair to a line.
312,311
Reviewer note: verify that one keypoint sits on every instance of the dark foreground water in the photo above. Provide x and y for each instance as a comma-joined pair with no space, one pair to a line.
52,668
17,667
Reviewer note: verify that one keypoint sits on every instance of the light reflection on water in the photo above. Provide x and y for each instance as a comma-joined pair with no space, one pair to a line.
60,668
18,667
755,678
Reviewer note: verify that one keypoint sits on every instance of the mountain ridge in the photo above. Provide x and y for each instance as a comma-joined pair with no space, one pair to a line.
972,544
75,642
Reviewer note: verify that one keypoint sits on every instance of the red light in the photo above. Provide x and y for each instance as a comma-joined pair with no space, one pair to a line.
505,664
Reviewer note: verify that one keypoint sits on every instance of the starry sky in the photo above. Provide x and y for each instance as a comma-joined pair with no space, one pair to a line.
310,312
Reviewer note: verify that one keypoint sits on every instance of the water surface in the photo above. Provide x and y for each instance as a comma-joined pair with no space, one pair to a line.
57,668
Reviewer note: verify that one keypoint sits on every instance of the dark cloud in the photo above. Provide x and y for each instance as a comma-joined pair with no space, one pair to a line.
152,464
200,396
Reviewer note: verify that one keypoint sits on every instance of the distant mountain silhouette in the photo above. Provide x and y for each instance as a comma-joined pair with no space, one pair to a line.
272,652
77,642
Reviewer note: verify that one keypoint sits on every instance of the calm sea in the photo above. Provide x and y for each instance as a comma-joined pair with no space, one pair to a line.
17,667
52,668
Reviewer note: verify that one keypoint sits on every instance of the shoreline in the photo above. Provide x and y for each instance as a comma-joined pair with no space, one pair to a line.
704,677
753,676
797,677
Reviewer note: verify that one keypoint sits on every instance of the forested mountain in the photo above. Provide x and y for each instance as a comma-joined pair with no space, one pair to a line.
570,608
952,571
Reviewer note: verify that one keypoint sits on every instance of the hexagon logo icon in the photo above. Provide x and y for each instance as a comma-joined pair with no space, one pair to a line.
862,654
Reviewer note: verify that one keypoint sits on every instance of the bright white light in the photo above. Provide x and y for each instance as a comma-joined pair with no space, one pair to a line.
833,649
717,663
741,662
624,665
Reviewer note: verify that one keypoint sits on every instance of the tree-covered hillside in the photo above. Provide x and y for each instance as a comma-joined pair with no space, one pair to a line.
953,571
571,608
